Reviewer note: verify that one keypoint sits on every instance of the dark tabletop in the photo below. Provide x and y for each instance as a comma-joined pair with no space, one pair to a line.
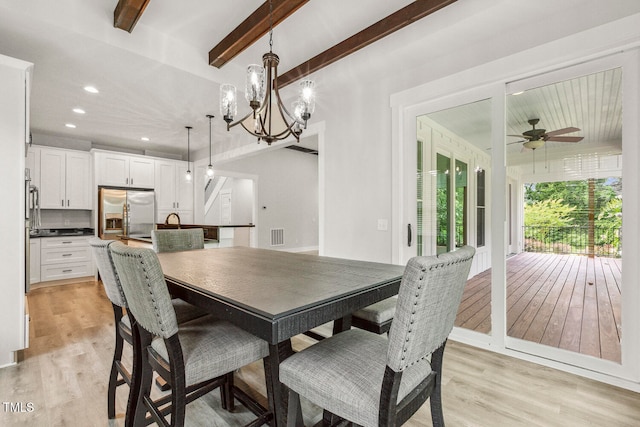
274,285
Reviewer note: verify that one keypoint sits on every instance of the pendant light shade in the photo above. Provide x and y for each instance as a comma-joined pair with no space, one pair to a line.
188,174
210,167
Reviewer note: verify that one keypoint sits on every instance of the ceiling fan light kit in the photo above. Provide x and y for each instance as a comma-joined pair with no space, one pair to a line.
537,138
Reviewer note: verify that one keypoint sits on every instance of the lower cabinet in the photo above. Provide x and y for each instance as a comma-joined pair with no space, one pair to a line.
34,260
65,258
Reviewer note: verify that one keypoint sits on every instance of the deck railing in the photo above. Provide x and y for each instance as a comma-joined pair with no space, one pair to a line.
573,240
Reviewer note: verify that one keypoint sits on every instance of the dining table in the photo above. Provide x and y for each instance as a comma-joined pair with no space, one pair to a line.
277,295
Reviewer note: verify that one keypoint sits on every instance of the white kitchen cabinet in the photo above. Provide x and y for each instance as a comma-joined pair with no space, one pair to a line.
173,192
65,258
65,179
33,164
122,170
34,260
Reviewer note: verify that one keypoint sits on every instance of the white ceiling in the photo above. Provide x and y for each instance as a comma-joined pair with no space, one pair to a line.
156,80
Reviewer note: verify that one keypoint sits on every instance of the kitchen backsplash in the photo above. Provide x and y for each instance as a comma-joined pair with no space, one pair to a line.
58,218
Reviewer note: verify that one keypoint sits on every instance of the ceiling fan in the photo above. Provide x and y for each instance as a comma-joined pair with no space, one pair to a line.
536,138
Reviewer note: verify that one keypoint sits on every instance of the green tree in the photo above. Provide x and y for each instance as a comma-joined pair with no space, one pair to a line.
609,223
542,218
576,194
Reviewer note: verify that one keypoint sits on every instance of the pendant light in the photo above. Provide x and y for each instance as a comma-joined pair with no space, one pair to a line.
188,174
210,167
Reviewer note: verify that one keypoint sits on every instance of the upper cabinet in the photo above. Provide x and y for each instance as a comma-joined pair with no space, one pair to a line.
173,192
65,179
33,164
122,170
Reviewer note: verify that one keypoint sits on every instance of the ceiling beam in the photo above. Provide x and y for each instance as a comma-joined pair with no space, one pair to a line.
392,23
251,29
127,13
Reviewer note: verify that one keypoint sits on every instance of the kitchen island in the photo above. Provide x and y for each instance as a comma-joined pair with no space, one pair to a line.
214,235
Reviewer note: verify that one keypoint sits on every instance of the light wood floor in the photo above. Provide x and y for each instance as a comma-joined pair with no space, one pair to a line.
564,301
64,375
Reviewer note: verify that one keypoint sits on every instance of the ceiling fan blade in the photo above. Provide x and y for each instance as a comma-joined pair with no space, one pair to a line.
517,136
516,142
562,131
566,138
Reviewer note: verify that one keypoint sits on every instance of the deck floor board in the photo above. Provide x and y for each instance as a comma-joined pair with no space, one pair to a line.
570,302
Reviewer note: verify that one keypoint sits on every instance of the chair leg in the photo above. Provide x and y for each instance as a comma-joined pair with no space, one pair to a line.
294,413
141,378
435,400
178,382
113,376
226,393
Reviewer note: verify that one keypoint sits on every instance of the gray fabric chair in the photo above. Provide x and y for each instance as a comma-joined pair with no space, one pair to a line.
194,357
370,379
173,240
111,283
377,317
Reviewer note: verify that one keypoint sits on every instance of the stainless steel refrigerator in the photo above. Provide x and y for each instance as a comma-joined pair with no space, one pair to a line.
125,212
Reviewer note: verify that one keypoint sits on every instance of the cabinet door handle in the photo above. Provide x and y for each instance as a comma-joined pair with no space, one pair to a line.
67,202
67,254
126,180
67,271
66,242
177,205
131,181
409,235
62,203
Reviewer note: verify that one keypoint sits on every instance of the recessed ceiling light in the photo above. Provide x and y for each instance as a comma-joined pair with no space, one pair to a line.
91,89
70,125
79,111
144,138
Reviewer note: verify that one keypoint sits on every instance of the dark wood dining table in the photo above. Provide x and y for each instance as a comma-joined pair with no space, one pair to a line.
276,295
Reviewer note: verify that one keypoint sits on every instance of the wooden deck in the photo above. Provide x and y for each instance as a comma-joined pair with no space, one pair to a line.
564,301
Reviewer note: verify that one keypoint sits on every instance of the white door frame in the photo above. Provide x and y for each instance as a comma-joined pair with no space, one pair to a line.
449,92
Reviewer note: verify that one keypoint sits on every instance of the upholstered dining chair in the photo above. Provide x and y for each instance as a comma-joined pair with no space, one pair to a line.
193,357
377,317
375,380
173,240
119,373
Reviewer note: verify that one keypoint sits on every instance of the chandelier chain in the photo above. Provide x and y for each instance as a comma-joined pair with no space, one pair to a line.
270,26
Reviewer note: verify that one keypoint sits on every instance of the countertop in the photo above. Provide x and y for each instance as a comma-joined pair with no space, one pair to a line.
147,239
61,232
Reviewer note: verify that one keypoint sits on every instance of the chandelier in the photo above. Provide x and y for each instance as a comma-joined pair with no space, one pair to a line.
268,119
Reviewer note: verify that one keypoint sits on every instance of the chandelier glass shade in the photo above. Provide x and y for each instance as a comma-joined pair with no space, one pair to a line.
268,119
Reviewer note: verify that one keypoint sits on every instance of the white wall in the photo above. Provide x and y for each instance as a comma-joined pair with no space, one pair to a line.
242,197
358,138
287,192
12,194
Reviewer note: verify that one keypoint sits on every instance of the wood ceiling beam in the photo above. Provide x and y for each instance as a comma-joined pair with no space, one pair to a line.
127,13
392,23
251,29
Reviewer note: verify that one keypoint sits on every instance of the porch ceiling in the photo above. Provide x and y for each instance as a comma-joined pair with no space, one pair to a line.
591,103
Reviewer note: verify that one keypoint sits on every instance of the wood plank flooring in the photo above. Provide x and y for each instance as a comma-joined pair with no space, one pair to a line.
564,301
64,375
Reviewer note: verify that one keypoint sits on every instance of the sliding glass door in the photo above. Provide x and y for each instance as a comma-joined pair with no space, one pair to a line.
535,176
